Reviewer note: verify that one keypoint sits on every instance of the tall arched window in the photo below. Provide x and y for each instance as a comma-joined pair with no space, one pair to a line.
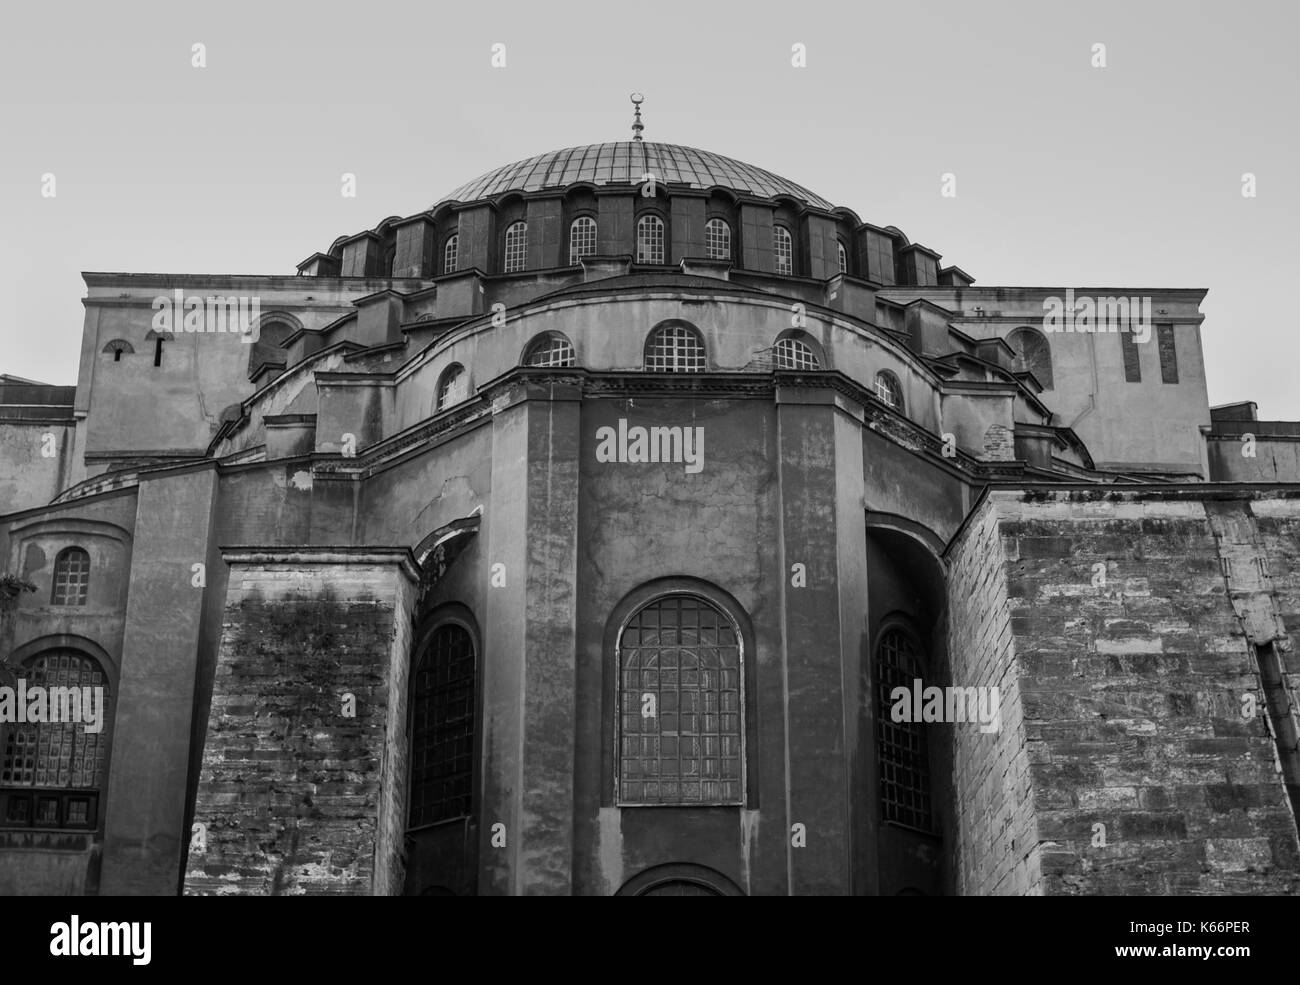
717,239
901,746
889,389
442,728
680,705
516,251
450,253
650,239
783,250
843,256
453,387
793,353
582,238
71,577
1033,354
52,772
550,349
675,347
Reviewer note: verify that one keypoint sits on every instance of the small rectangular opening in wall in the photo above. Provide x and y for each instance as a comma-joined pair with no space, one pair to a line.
1281,715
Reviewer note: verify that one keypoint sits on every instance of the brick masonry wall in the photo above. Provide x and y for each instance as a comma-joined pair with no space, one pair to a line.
292,792
1133,661
994,850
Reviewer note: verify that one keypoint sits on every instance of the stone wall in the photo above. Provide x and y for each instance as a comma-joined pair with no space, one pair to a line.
995,849
297,796
1129,614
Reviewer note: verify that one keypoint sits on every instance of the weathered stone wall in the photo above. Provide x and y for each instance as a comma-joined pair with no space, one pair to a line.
1130,645
994,849
295,796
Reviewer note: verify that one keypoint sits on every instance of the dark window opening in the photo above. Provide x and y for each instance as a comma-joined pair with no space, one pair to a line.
903,752
442,728
1168,353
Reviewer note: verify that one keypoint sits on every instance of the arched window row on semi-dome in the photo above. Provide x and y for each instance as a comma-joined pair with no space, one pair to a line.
453,386
793,350
889,390
675,347
549,350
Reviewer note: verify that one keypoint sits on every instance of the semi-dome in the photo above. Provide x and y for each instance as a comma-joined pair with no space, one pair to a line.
624,162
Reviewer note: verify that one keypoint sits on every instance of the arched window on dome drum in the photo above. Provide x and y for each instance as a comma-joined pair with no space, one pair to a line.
442,728
843,255
550,350
901,746
680,705
791,353
450,253
516,252
889,389
1033,354
582,238
453,387
783,250
650,239
71,577
675,348
717,239
52,773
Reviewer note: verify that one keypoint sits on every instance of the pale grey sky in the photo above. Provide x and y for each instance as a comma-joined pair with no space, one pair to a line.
1068,176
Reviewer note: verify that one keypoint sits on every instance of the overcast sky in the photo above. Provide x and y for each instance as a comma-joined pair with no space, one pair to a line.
1067,175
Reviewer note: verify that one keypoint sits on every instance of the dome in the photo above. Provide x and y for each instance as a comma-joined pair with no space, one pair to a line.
624,162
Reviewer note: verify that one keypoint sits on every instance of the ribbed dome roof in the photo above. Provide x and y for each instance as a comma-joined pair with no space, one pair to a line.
624,162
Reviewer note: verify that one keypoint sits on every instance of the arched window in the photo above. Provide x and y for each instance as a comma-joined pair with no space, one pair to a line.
650,239
1033,354
889,389
453,387
551,349
52,772
901,746
717,239
442,728
582,238
450,252
843,255
71,577
389,261
268,348
783,250
792,353
680,705
674,347
117,347
516,252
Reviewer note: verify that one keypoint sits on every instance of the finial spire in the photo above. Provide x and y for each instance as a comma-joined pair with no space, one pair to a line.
637,127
